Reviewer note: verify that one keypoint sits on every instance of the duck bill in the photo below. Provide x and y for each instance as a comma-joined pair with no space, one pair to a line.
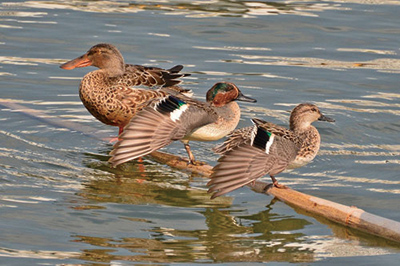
82,61
244,98
325,118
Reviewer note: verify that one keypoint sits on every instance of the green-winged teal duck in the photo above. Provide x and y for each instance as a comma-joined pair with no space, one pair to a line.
265,148
113,93
180,118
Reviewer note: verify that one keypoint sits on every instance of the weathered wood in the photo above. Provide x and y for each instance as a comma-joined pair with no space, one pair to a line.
182,164
348,216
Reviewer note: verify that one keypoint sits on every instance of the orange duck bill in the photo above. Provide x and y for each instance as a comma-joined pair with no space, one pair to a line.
82,61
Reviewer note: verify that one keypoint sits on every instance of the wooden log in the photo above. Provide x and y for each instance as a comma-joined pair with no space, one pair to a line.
348,216
182,164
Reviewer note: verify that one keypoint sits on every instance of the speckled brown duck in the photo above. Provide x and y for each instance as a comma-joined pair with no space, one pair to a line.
251,152
116,91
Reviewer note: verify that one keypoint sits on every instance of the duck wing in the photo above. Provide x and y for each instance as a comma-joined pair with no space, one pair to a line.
264,153
137,75
158,124
236,138
276,129
244,135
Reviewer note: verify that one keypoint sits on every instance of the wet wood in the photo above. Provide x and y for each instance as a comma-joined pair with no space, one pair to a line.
349,216
182,163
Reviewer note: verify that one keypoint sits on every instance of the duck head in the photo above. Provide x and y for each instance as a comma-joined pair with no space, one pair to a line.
225,92
304,114
104,56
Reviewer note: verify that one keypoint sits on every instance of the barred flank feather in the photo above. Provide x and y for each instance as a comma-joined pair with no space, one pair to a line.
236,138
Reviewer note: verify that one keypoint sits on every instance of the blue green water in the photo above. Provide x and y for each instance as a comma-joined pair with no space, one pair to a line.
61,203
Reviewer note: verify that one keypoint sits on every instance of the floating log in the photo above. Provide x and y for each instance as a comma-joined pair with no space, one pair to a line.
348,216
182,164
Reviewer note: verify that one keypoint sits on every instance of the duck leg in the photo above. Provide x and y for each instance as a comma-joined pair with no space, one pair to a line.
189,152
115,139
276,184
121,129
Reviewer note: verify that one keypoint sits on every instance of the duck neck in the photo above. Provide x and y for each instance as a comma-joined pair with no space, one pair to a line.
310,138
94,82
113,72
300,125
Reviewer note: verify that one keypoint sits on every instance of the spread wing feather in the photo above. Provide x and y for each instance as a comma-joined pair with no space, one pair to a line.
243,136
157,125
245,163
237,168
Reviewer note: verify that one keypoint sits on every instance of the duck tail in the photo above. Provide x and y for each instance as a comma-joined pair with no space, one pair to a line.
175,69
171,76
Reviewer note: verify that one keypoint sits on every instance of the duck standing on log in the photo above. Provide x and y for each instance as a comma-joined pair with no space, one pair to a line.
113,93
176,117
251,152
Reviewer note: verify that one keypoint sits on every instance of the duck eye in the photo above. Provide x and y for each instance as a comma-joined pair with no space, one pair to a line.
314,109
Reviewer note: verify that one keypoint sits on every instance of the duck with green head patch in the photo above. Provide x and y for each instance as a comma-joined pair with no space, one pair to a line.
251,152
180,118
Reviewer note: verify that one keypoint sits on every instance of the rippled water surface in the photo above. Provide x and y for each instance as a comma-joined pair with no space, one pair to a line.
61,203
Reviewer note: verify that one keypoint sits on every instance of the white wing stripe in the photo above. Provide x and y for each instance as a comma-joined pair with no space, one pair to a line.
269,143
178,112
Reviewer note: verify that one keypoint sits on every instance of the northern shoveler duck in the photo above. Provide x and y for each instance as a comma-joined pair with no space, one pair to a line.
180,118
251,152
111,93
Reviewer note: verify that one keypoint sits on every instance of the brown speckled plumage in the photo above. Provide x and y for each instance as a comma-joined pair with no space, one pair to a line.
113,93
250,153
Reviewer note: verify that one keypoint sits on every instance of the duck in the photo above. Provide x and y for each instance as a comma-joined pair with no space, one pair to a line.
116,91
177,117
266,148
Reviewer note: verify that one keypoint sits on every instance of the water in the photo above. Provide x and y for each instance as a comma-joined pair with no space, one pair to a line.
60,203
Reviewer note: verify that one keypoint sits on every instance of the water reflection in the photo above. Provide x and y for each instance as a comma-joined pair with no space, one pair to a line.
231,234
14,60
196,9
146,183
388,65
57,186
37,254
229,237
